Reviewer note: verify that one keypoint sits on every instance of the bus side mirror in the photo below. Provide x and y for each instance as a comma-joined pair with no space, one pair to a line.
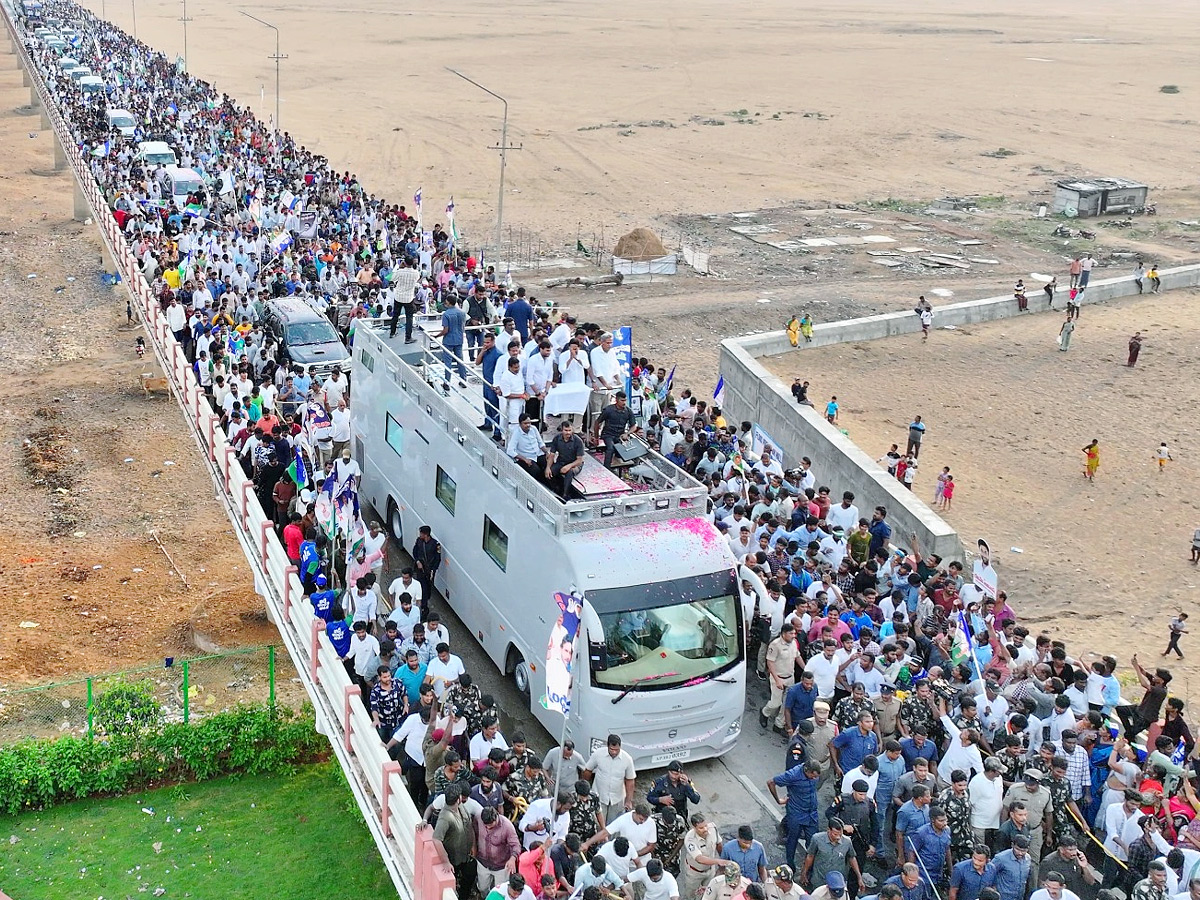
598,655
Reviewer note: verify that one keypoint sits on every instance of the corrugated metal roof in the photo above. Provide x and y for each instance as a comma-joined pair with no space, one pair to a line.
1095,185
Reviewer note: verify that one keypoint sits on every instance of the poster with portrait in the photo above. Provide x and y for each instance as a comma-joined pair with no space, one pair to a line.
560,653
982,573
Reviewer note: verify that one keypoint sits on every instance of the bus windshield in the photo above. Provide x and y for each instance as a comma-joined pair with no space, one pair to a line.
669,645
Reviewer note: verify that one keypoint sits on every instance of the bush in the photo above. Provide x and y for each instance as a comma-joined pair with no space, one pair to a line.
128,707
251,739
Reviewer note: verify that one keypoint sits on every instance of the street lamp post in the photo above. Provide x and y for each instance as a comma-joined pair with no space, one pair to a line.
503,148
185,19
277,57
133,7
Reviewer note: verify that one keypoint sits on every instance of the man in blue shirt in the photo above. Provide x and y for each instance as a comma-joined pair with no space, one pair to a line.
747,853
521,313
930,847
338,632
909,883
800,818
454,324
972,875
486,360
919,746
910,818
891,767
851,747
411,676
1012,869
880,530
798,701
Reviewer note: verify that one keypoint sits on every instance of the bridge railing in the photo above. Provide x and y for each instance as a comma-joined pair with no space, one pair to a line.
416,863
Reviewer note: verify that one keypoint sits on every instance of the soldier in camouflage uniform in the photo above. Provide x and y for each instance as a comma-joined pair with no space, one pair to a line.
464,694
1012,760
1061,804
968,717
528,783
848,708
519,753
957,803
918,710
585,814
671,829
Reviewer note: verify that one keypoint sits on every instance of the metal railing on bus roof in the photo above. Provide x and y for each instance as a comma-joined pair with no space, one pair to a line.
674,495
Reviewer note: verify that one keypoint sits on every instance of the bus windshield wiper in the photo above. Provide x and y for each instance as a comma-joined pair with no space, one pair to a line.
637,683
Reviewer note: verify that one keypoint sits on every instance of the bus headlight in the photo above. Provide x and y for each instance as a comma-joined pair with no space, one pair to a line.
734,729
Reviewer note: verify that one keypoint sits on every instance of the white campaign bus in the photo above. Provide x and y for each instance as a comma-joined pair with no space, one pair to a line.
660,654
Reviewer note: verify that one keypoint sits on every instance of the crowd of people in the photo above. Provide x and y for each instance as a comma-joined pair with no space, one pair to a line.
931,744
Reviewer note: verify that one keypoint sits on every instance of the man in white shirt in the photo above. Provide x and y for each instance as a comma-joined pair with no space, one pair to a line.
547,819
407,612
868,771
636,825
962,752
488,739
443,670
987,796
510,389
656,883
606,374
612,773
527,447
825,669
405,584
993,709
539,377
339,430
363,652
1053,889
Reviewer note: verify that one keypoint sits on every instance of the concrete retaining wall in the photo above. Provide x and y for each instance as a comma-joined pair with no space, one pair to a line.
754,393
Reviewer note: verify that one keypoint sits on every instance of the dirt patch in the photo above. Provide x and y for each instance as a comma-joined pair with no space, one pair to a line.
90,466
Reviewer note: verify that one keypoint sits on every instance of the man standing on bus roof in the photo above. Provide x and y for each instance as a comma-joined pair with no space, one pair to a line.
612,771
612,425
427,556
454,323
486,359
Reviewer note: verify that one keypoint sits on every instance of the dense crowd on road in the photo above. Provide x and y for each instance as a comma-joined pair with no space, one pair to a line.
930,744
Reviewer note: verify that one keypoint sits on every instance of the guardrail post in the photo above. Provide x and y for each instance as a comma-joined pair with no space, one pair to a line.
91,710
187,706
271,673
390,768
350,692
287,591
227,465
263,530
314,661
247,487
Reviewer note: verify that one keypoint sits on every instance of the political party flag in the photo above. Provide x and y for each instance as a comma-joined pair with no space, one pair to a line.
417,207
665,389
280,242
560,653
623,347
297,471
325,510
719,393
450,223
227,181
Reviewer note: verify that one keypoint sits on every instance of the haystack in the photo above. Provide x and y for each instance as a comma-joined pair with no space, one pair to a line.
640,245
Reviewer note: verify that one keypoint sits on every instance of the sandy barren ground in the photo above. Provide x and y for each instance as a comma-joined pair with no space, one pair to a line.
90,466
1105,564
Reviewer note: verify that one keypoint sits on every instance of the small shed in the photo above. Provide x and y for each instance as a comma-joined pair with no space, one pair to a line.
1098,196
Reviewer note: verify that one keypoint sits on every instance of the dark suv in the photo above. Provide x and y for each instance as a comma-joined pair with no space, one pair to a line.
305,337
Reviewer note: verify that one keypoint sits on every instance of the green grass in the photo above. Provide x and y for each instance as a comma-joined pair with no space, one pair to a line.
281,836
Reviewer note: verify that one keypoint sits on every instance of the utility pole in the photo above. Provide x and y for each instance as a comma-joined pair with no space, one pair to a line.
503,147
133,7
277,57
184,19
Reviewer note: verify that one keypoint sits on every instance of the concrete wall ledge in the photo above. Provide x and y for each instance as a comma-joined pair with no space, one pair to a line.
752,392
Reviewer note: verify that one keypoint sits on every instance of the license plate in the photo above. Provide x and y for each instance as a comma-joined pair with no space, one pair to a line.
671,755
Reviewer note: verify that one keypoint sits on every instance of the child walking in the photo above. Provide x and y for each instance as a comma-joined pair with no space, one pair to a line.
1162,454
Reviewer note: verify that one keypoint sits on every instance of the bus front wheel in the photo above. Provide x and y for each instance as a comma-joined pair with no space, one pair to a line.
521,676
396,524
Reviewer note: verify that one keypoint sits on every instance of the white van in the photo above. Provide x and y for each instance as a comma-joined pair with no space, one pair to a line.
178,183
153,154
67,63
122,120
92,84
79,73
